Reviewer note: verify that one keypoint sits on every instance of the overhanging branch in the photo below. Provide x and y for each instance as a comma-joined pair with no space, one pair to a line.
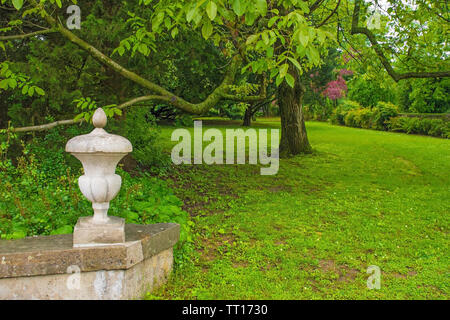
169,97
51,125
47,126
330,15
27,35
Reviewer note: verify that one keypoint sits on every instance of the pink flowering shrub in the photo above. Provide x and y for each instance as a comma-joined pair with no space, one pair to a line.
335,89
338,88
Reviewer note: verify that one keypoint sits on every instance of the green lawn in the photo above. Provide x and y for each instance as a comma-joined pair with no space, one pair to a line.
310,232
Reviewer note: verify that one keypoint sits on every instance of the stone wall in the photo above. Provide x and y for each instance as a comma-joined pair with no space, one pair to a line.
48,267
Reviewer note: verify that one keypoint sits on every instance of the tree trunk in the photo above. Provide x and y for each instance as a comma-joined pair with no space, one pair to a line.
247,117
294,139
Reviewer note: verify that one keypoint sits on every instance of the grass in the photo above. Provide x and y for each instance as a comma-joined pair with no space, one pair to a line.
362,198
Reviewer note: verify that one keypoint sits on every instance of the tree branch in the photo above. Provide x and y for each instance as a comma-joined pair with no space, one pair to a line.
331,14
27,35
242,98
51,125
315,5
379,51
47,126
141,99
169,97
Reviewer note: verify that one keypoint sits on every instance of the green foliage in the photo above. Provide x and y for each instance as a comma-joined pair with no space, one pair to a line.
385,116
382,113
368,92
67,73
425,95
301,43
39,193
17,4
139,126
352,114
360,118
184,120
425,126
146,200
11,80
318,111
347,105
88,107
342,109
233,111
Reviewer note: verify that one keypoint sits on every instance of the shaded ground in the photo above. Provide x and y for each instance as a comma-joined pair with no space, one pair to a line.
310,232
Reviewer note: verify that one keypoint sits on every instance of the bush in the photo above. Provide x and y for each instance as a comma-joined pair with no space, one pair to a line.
425,95
369,92
365,118
348,105
349,119
318,112
397,124
382,113
338,116
139,126
359,118
184,120
233,111
425,126
385,117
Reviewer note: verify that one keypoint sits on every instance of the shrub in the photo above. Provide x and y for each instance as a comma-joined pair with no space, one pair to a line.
369,92
139,126
341,111
317,112
440,128
365,118
425,126
397,124
385,117
184,120
359,118
347,105
338,117
412,126
382,113
349,119
234,111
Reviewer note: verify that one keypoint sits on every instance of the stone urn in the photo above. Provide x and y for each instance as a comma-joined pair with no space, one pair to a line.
99,153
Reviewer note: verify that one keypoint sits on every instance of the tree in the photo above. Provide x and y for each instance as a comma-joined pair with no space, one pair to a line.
425,95
278,40
410,42
265,38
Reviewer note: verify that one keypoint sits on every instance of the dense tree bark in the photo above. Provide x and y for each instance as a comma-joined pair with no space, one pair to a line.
252,109
247,117
294,139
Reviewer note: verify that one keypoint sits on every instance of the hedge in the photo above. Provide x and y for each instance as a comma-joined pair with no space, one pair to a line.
385,116
426,126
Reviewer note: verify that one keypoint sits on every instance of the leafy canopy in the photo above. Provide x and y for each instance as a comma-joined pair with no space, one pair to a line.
267,35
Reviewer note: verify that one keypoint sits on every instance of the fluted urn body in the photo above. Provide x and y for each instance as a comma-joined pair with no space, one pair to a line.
99,153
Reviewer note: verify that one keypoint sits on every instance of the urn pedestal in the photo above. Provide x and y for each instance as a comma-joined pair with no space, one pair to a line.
99,153
104,259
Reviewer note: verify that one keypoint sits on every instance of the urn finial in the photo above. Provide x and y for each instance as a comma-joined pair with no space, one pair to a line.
99,153
99,118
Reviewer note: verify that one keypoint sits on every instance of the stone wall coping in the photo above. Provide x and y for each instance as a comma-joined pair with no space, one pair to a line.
46,255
